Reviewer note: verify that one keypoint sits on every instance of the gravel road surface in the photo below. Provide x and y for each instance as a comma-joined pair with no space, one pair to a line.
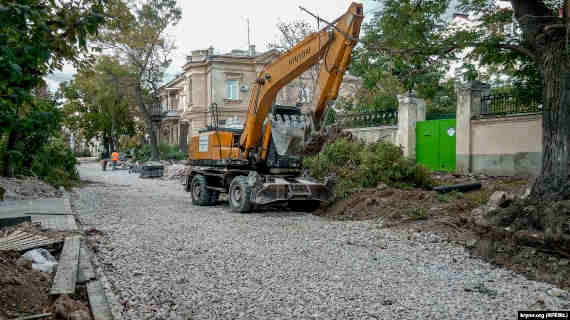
167,259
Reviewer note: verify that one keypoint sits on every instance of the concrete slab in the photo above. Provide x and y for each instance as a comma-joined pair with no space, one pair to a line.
39,206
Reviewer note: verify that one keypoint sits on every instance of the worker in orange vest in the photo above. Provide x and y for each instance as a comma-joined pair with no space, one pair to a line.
114,158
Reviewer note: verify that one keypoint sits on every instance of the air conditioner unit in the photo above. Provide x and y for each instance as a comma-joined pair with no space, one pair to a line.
244,87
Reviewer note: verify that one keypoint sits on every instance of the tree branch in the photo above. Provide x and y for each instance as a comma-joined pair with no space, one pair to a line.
521,50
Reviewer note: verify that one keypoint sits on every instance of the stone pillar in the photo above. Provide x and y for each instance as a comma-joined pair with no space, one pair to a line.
468,107
410,111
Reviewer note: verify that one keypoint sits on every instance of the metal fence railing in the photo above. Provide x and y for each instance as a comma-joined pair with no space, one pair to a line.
363,119
440,116
509,104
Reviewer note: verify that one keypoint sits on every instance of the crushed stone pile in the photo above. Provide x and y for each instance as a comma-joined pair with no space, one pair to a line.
27,188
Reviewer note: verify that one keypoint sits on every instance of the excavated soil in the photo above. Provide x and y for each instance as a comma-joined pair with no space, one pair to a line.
451,216
327,135
23,291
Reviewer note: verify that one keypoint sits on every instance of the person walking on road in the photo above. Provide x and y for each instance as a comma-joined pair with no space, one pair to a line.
114,159
104,159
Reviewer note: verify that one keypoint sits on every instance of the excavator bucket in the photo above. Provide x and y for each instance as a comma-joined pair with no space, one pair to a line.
293,133
287,129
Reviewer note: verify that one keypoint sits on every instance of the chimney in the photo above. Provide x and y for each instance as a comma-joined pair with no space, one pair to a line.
211,51
252,50
188,58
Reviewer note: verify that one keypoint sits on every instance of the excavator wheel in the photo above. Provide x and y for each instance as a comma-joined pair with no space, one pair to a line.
201,196
239,195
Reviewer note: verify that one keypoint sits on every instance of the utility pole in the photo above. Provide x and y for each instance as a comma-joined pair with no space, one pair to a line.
248,42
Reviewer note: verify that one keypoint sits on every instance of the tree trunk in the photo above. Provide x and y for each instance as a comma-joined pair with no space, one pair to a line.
12,139
552,183
147,115
155,155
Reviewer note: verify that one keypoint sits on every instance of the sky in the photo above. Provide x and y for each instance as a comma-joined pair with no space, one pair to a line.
223,25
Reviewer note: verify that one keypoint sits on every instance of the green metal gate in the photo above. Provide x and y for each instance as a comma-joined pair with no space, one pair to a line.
435,144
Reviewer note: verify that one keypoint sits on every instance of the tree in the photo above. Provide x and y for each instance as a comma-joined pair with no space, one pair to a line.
405,44
544,46
100,102
36,38
139,36
291,33
539,52
411,33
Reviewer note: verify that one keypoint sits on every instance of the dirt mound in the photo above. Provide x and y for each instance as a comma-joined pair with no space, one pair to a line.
455,217
23,291
382,202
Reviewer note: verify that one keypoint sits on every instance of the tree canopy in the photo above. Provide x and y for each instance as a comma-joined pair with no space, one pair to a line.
139,36
100,102
36,38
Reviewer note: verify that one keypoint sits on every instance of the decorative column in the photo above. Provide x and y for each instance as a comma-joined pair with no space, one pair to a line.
410,110
468,107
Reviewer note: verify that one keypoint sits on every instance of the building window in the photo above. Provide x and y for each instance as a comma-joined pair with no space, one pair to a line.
232,89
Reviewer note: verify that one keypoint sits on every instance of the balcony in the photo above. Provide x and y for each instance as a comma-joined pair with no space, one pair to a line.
172,111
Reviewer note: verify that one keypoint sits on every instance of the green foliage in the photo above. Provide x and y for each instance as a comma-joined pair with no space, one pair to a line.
404,49
36,38
419,213
55,163
25,135
100,102
358,165
143,153
171,152
138,34
167,152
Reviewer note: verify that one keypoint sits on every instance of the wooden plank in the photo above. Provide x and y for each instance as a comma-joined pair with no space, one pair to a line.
31,245
20,239
98,302
86,271
66,275
6,222
14,234
37,316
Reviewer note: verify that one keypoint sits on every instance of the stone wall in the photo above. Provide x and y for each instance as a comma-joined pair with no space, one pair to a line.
507,146
374,134
501,145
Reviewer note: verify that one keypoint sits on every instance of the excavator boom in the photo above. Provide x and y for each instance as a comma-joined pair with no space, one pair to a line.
331,46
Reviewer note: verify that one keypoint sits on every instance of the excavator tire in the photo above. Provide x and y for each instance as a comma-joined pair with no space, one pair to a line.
201,196
239,195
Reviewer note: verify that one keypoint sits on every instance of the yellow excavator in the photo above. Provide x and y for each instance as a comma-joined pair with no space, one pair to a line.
261,164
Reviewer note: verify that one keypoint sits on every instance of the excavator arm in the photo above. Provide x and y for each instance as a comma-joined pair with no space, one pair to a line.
332,46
